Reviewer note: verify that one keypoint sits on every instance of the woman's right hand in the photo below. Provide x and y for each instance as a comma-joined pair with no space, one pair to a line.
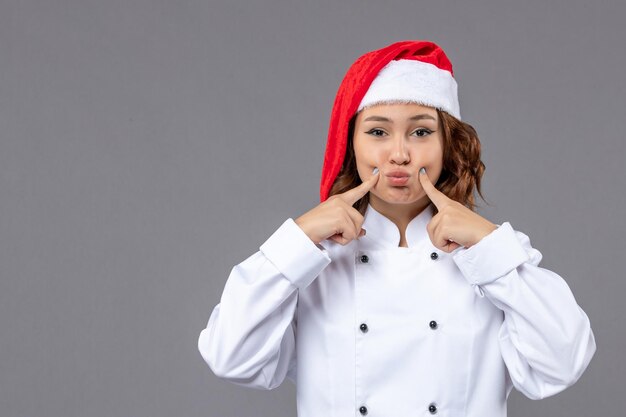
335,218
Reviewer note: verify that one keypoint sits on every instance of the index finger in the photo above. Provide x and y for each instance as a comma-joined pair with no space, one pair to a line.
437,197
353,195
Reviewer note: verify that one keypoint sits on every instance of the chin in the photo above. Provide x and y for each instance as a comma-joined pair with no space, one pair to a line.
398,198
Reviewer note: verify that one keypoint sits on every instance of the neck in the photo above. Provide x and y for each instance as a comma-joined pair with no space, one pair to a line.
400,214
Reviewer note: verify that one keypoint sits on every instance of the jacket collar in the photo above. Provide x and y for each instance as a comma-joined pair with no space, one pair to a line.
384,232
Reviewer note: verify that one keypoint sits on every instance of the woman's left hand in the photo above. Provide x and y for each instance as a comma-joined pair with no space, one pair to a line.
454,225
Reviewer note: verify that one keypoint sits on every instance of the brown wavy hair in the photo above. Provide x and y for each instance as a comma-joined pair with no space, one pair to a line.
462,168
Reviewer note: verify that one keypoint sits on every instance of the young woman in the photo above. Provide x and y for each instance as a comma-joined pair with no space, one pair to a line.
393,297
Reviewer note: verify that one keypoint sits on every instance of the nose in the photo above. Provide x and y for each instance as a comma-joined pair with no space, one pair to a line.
399,153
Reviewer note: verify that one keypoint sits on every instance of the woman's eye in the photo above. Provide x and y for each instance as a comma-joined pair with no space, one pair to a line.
371,132
425,131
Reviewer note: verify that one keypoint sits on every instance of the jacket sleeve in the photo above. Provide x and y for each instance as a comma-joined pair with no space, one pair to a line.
545,339
250,336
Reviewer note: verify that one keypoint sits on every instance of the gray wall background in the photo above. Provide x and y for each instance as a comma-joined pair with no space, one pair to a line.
146,147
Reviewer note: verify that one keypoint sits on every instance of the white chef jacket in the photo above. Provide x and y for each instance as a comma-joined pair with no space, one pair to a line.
371,328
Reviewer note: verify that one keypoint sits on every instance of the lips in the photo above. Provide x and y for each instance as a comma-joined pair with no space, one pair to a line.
397,177
398,174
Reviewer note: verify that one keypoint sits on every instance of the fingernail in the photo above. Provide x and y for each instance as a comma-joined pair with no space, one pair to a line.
375,171
422,170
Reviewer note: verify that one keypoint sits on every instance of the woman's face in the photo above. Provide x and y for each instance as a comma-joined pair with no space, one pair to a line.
399,139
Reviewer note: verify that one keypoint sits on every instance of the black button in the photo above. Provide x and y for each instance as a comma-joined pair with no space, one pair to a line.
434,256
433,324
432,408
363,327
363,410
365,259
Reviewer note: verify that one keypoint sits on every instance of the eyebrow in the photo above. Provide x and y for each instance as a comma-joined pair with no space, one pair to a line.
384,119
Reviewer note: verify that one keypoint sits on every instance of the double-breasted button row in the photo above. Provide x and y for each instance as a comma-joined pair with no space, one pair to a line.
363,258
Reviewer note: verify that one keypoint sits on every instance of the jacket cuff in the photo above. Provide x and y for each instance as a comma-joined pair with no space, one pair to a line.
494,256
294,254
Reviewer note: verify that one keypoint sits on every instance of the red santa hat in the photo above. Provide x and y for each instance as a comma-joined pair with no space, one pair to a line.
406,71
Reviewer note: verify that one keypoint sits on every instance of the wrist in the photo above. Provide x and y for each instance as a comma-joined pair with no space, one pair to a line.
306,232
484,232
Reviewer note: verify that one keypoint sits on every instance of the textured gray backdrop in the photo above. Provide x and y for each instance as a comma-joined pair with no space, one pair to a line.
146,147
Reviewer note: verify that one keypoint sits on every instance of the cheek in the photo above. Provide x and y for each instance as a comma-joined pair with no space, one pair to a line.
431,155
366,155
364,161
